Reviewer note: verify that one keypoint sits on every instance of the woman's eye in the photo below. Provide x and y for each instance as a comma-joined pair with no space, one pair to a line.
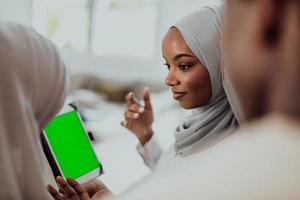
184,67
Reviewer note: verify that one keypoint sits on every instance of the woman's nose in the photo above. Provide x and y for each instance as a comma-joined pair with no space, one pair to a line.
171,79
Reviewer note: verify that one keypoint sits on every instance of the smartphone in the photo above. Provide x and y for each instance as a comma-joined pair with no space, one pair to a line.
68,148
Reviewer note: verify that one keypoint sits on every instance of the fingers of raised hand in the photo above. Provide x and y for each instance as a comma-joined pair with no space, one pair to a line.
131,99
132,112
135,108
131,115
146,96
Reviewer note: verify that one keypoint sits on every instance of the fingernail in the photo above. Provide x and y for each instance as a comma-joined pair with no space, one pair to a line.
141,110
124,123
135,115
128,95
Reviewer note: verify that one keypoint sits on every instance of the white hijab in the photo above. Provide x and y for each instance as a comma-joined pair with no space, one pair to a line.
32,90
202,33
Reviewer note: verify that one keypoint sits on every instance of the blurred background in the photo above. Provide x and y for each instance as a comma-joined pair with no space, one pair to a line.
111,47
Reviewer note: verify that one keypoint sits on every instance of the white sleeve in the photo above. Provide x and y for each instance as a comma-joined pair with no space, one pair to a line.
150,152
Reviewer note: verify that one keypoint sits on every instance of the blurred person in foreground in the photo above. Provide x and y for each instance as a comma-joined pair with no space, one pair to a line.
33,85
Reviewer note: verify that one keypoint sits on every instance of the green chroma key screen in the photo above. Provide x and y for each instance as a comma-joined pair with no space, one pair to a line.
71,145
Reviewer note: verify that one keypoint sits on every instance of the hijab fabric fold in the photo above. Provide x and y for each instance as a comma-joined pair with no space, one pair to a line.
32,90
202,33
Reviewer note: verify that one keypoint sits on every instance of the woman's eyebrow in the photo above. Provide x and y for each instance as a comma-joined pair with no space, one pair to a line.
177,57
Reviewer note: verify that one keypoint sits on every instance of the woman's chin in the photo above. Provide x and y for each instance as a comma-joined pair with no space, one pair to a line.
191,105
186,105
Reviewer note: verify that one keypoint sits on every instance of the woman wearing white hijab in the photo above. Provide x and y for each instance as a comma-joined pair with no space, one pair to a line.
33,88
195,37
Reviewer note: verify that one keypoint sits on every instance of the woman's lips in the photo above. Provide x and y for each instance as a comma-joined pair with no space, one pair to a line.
178,95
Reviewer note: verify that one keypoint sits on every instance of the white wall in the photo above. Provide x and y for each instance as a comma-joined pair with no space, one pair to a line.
132,69
16,10
170,11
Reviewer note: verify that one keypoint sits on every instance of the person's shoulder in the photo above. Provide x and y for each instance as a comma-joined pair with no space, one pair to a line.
14,28
274,126
282,122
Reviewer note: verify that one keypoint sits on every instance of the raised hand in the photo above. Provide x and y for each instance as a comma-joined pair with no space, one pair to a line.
138,118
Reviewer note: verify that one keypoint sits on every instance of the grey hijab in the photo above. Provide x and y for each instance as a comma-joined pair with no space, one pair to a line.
202,33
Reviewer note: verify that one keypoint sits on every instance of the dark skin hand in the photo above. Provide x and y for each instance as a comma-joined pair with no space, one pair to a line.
138,118
70,189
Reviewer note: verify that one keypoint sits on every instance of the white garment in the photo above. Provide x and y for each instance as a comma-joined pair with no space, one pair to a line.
32,90
154,157
258,162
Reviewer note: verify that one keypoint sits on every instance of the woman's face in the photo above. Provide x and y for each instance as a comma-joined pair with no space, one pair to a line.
187,77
